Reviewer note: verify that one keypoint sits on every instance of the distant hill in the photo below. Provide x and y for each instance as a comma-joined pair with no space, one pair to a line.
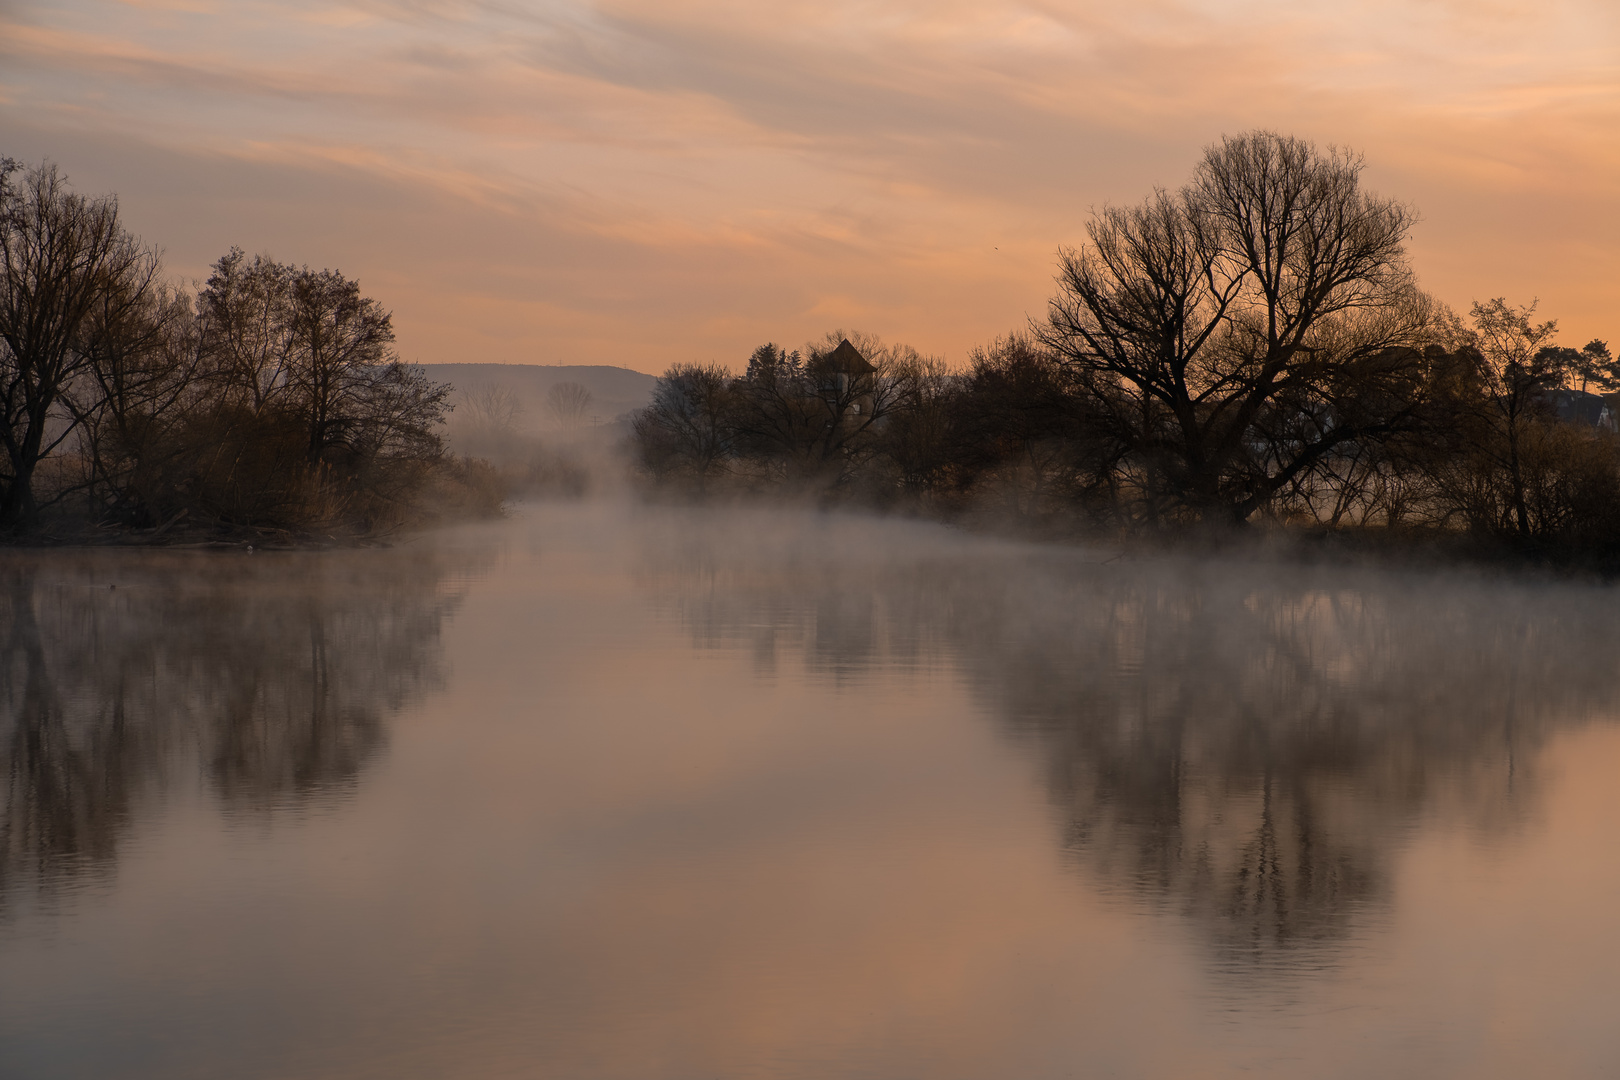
614,390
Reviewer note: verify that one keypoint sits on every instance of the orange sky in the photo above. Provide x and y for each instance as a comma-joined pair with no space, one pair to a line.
636,182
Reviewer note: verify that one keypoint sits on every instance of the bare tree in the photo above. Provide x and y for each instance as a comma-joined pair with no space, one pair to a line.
1516,369
568,402
494,408
246,307
340,342
686,431
61,255
303,413
148,368
1235,332
485,423
1023,433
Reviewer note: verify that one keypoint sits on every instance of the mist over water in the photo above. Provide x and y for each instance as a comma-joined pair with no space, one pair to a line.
618,791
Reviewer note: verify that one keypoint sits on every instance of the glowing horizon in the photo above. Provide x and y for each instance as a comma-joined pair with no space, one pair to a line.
637,184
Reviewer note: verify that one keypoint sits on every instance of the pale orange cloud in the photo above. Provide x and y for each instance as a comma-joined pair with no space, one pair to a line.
636,182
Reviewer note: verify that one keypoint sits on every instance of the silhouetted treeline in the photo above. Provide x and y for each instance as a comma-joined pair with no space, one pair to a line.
1251,347
269,399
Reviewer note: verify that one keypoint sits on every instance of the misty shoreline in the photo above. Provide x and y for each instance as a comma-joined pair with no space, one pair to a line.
1372,549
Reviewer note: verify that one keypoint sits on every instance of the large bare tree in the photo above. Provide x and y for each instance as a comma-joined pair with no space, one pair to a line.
63,259
1234,333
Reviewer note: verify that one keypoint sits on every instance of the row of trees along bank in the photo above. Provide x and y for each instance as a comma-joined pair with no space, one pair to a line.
271,398
1251,347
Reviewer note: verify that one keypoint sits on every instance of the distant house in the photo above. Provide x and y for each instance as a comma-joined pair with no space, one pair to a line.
847,364
1613,402
847,383
1579,407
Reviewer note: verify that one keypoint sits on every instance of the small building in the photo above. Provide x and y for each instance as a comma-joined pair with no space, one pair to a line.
1580,407
846,364
843,370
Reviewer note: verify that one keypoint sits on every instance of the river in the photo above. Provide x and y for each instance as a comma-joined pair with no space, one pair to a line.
615,791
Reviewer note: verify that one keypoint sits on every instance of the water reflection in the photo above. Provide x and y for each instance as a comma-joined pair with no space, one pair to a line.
271,676
1245,745
1250,746
923,805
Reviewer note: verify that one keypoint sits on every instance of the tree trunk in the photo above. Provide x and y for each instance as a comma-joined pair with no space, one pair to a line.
1521,511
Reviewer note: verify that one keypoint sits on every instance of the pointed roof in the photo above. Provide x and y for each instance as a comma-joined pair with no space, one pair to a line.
847,360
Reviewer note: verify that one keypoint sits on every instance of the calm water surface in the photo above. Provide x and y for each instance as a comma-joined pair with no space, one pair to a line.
604,792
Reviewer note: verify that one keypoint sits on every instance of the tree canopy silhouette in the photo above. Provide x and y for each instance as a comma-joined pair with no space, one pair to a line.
273,398
1235,332
69,273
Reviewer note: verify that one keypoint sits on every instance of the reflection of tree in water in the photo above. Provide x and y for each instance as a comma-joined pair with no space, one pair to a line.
274,672
1250,745
1241,743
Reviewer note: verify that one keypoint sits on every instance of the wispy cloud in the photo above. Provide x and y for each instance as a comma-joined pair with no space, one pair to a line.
910,163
